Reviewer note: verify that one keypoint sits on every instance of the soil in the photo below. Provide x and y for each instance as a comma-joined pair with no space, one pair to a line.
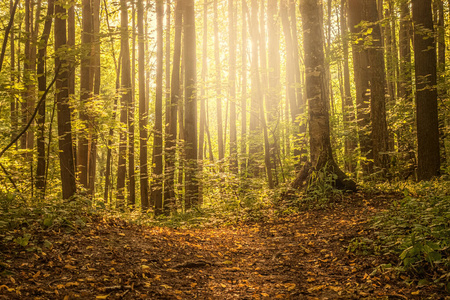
299,256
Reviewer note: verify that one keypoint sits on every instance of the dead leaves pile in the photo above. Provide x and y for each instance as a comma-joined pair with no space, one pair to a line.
300,256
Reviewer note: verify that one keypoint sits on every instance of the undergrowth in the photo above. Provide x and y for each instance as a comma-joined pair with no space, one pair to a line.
417,230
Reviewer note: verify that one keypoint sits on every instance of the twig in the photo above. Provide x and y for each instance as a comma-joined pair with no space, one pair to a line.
33,116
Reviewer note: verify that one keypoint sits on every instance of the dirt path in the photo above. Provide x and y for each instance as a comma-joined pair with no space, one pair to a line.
296,257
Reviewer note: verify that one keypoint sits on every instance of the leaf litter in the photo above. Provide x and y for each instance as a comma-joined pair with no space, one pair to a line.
297,256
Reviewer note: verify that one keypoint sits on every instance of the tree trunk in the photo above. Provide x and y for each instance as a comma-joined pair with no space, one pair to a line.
173,110
190,120
143,112
157,143
426,93
66,160
124,103
348,109
86,88
218,80
319,126
244,90
361,74
42,85
232,85
377,77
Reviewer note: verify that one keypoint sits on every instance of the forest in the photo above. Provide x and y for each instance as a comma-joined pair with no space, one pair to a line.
224,149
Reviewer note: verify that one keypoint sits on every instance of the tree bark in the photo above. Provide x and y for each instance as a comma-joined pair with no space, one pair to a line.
190,120
66,161
319,126
426,92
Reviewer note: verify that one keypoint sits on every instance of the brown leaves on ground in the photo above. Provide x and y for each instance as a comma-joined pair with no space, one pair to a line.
301,256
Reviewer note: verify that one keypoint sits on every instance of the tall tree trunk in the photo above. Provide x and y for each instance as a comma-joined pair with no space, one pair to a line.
361,75
442,91
173,110
86,88
157,143
190,120
244,89
131,112
377,77
143,111
426,93
126,100
256,96
232,85
42,85
14,103
348,109
319,125
218,80
66,161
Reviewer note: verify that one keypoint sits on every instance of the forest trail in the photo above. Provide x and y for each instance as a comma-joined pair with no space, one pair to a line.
302,256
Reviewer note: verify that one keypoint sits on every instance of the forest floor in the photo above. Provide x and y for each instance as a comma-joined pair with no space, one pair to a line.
298,256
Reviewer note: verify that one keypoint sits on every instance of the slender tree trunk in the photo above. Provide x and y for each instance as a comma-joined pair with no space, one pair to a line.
232,85
143,112
256,96
126,100
131,112
86,88
426,93
348,109
190,135
157,143
244,89
67,165
361,74
218,80
42,85
173,110
13,103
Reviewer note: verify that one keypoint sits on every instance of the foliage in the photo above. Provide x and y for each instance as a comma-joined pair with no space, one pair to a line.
417,229
18,220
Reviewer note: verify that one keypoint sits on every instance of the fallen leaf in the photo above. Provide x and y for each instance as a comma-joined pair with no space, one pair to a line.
102,296
290,286
70,267
166,286
264,295
315,288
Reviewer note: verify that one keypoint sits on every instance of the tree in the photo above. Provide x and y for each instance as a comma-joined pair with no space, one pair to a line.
218,80
347,103
158,142
190,121
377,78
361,75
66,155
86,89
143,112
170,146
126,99
42,85
232,85
426,92
319,125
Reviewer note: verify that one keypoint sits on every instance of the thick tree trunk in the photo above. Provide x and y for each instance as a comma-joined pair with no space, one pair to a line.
67,165
426,93
319,126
